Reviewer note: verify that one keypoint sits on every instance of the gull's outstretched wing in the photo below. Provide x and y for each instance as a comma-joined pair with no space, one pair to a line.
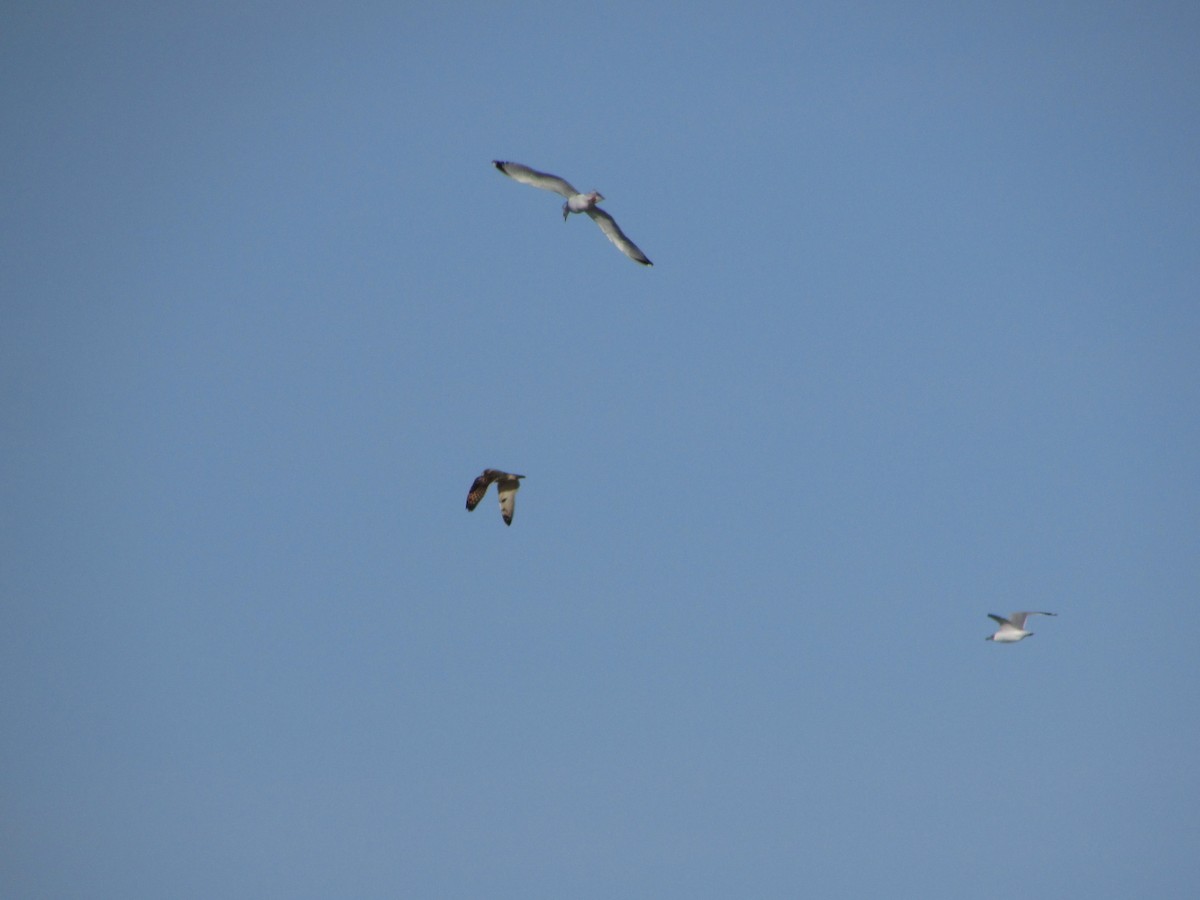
609,226
507,488
1000,620
1018,618
534,178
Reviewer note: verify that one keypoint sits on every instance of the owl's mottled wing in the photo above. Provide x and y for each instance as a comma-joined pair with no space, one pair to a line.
534,178
507,488
479,488
614,233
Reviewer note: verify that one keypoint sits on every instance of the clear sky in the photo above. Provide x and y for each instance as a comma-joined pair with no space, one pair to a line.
921,342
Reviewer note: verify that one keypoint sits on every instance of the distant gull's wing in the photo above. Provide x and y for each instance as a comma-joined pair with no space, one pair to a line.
1000,620
479,488
507,488
534,178
1019,617
609,226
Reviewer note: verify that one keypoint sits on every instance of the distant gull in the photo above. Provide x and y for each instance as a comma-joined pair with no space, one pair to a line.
1012,629
576,203
506,486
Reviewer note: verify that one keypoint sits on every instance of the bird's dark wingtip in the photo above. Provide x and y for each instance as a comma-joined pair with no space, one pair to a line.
499,164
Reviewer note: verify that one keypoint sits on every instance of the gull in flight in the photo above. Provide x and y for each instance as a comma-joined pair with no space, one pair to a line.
506,486
576,203
1012,629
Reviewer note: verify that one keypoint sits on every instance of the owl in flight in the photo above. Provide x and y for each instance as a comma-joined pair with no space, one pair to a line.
506,486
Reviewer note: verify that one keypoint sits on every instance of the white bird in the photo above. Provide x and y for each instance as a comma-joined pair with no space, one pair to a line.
506,486
1012,629
576,203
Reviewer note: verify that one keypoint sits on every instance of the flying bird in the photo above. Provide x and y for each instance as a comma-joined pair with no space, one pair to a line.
1012,629
506,486
576,203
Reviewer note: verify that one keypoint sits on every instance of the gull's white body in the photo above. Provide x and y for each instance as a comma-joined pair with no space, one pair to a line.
1012,629
576,202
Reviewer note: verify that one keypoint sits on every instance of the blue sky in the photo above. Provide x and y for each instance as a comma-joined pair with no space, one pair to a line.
920,344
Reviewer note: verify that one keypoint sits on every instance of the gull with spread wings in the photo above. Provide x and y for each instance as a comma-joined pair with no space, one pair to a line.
506,486
576,203
1012,629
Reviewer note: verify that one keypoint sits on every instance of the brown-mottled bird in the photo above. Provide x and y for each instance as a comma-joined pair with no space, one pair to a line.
506,486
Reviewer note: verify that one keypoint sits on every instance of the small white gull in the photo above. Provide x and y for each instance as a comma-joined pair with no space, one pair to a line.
576,203
1012,629
506,486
